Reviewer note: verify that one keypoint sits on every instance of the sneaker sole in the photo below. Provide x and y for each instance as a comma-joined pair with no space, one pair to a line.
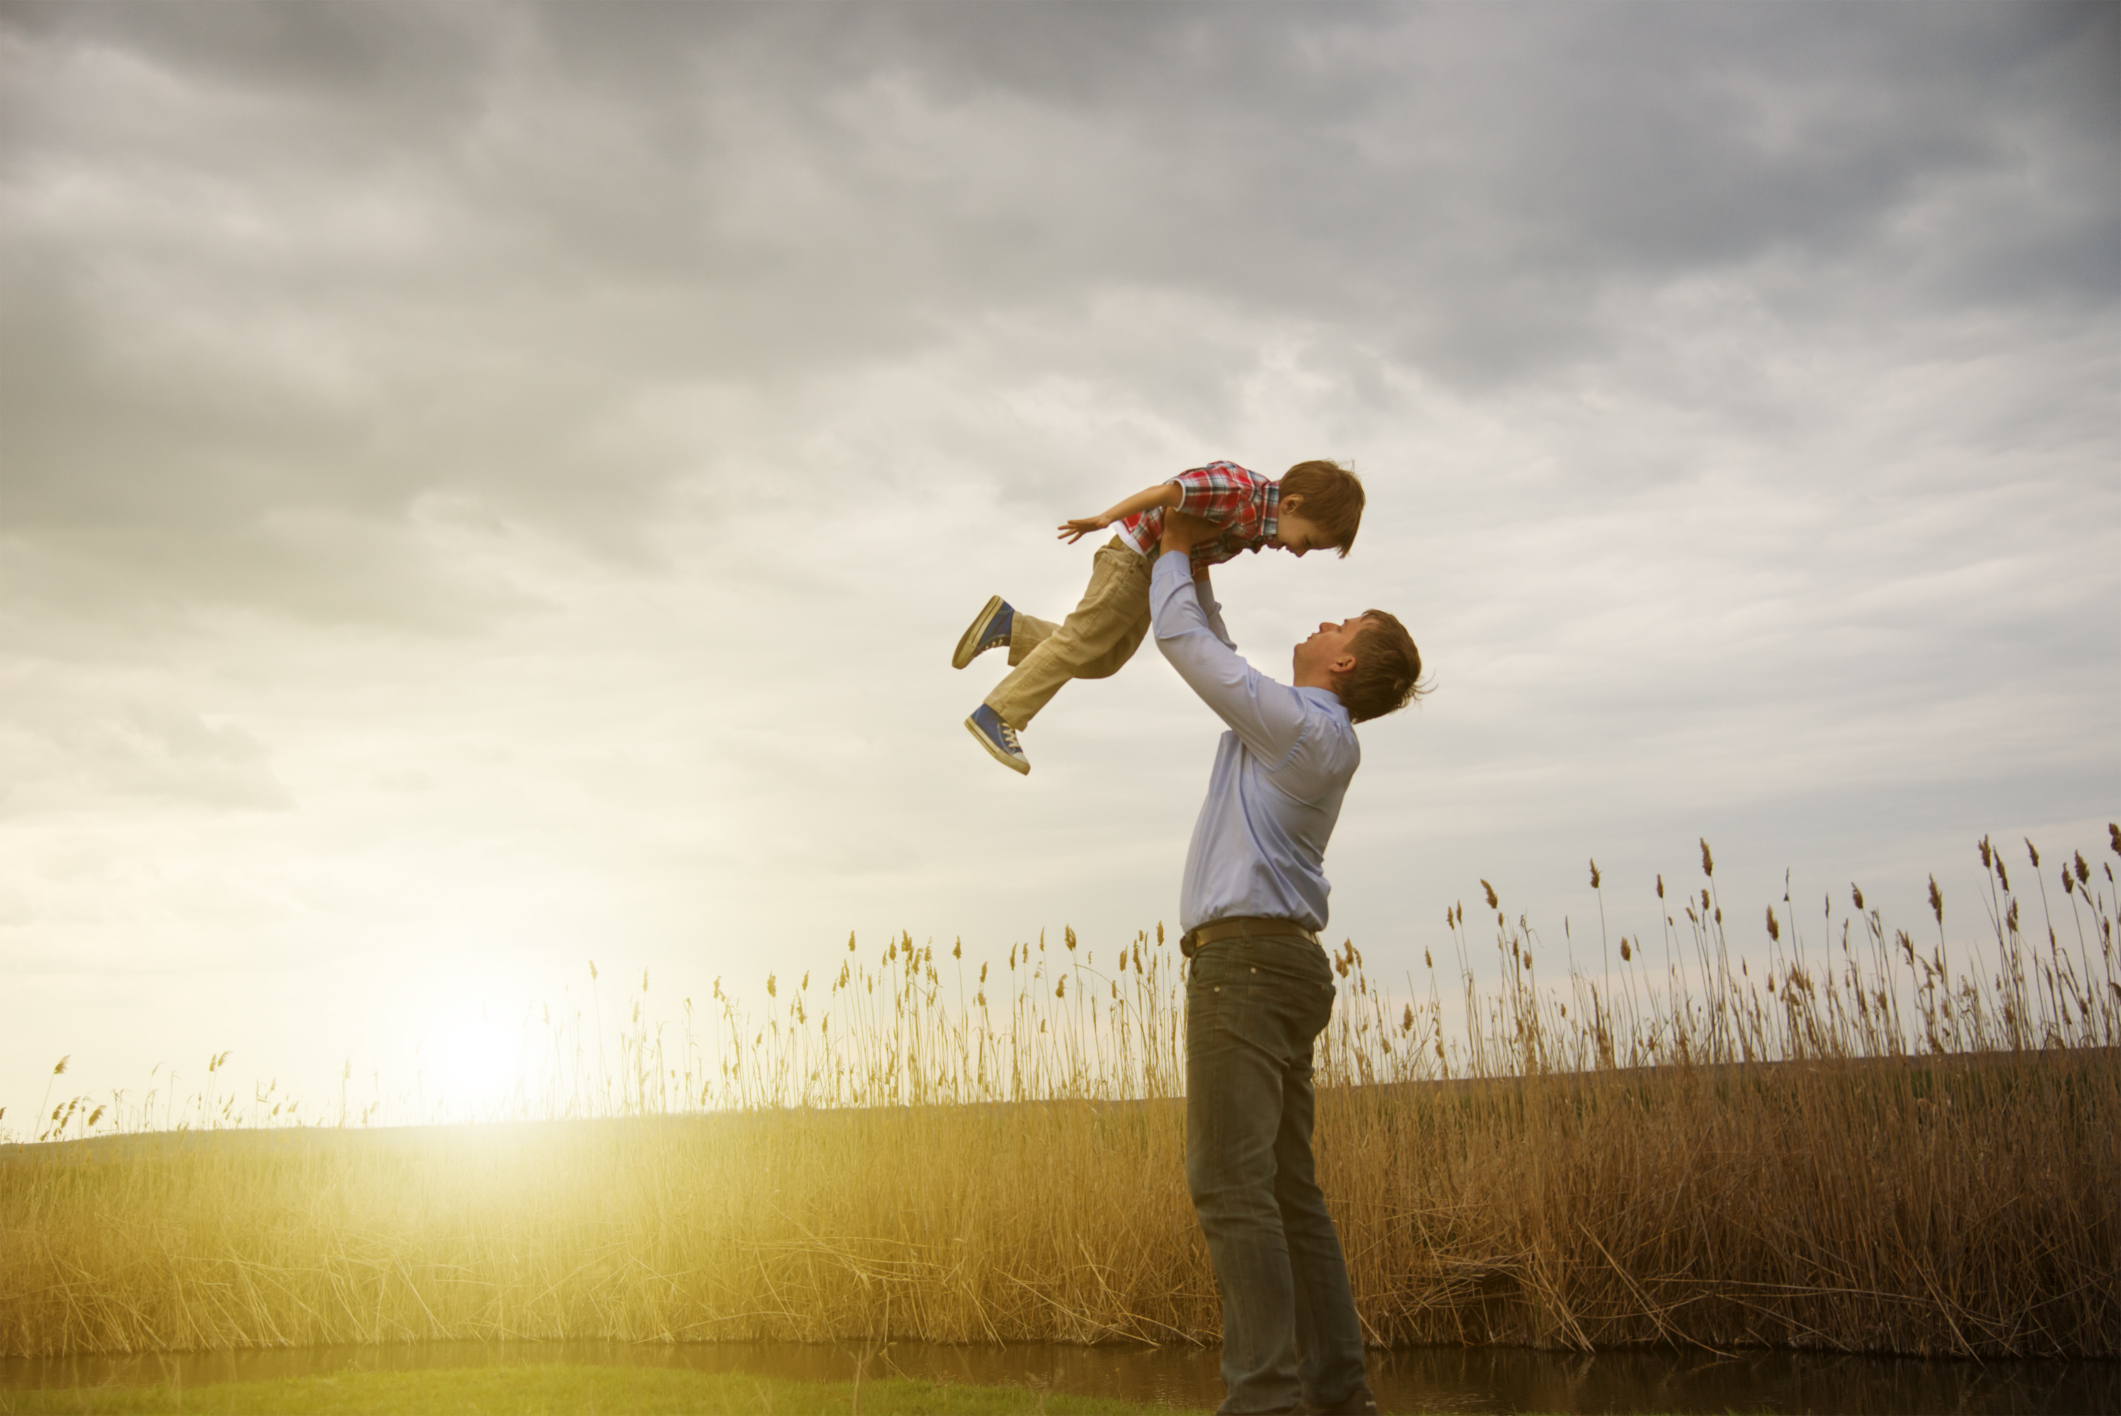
1014,764
968,644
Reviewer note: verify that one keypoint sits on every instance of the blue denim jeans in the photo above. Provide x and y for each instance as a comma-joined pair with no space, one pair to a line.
1253,1009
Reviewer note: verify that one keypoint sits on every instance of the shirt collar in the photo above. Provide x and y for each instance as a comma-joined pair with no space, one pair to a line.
1270,513
1328,699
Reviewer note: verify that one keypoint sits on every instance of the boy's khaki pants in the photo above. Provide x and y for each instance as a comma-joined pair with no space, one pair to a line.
1101,634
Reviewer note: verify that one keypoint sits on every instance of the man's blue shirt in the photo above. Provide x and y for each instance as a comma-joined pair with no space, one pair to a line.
1259,847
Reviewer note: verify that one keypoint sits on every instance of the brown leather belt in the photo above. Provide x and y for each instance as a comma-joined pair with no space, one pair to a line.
1242,927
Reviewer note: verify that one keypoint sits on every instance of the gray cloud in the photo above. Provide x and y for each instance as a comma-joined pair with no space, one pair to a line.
324,260
511,471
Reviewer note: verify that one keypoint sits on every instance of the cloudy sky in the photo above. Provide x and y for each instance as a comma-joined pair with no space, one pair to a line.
491,487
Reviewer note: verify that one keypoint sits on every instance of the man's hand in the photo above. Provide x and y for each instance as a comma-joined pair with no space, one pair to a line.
1076,528
1183,531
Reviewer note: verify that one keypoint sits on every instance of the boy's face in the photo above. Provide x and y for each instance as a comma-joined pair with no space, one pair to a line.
1296,533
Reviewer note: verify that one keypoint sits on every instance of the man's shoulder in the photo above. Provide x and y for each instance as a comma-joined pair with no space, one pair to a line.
1323,707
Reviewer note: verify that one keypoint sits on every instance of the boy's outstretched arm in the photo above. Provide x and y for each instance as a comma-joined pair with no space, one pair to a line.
1162,494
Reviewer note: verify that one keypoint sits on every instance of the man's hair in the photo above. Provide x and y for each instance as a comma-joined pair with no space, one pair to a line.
1387,672
1332,499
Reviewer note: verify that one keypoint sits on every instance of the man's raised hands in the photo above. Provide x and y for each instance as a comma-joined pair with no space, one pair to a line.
1183,531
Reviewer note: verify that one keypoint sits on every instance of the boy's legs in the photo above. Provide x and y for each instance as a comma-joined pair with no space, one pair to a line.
1101,634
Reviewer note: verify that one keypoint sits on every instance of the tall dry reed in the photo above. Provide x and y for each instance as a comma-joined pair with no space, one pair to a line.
1876,1144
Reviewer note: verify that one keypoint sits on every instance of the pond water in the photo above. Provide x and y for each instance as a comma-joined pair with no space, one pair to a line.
1418,1379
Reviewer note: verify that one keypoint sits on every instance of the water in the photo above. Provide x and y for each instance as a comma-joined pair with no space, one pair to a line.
1443,1379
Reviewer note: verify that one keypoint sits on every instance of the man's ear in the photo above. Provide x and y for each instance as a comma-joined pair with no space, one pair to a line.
1345,664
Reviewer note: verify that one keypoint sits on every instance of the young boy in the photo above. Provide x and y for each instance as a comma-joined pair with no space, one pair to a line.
1316,506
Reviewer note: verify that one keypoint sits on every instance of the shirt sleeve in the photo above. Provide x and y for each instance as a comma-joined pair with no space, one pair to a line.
1209,492
1211,609
1267,717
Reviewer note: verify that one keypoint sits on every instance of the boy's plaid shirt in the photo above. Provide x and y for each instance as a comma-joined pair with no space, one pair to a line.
1244,504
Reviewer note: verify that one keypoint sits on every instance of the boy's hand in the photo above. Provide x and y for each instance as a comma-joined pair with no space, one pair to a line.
1162,494
1076,528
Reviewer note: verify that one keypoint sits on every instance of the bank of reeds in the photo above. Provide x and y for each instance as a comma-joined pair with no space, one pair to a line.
1876,1144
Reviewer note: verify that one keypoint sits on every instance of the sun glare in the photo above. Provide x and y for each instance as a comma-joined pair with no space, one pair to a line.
465,1043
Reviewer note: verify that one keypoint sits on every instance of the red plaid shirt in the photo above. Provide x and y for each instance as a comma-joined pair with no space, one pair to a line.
1244,504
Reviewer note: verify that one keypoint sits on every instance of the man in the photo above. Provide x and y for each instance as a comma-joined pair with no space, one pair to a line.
1261,987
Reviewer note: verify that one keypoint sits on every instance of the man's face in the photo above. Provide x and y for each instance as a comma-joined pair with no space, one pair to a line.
1331,649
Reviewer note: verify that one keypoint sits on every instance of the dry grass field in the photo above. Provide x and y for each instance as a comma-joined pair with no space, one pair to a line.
1875,1145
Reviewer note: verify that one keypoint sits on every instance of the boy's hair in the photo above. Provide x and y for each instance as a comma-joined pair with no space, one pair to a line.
1387,672
1332,499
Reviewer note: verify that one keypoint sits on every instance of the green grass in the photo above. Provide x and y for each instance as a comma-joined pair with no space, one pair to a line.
571,1389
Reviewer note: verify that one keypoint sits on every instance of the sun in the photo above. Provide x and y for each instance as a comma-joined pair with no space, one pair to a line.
475,1067
467,1047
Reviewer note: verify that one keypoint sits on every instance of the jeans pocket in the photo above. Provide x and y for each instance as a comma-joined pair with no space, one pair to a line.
1318,1011
1222,1003
1289,989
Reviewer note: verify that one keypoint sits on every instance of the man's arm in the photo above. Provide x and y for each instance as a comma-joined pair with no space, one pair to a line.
1210,607
1267,716
1162,494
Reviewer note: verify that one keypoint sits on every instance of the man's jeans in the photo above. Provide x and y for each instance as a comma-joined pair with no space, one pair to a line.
1253,1008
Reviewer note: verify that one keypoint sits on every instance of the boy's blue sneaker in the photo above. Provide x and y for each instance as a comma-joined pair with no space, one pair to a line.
998,738
990,627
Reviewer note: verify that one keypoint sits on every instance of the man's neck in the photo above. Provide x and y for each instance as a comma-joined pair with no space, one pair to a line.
1317,678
